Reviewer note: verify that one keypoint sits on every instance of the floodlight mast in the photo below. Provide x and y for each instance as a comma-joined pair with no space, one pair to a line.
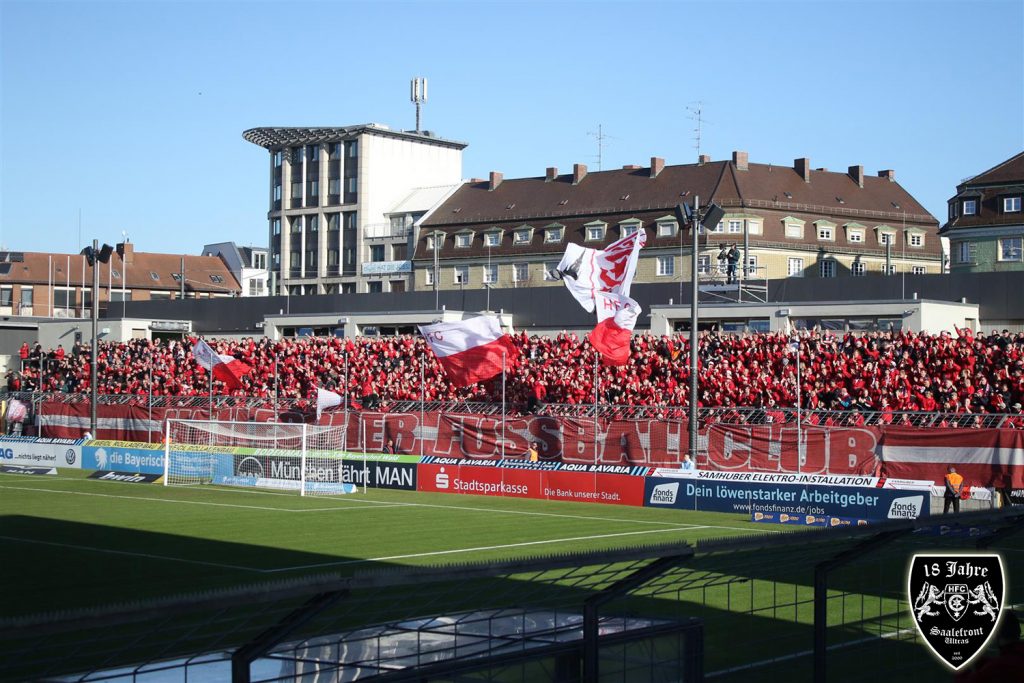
94,314
694,334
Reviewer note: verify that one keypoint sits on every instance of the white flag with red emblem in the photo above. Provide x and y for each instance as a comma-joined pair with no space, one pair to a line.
587,271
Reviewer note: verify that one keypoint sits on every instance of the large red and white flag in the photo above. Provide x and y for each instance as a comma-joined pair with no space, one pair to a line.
227,369
471,350
588,271
616,315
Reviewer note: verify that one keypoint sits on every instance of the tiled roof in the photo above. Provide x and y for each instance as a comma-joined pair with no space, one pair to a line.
1009,171
201,272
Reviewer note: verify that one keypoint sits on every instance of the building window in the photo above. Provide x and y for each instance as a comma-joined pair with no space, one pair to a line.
855,237
753,227
334,186
857,269
296,190
1010,249
277,159
667,229
259,260
275,226
376,252
428,279
553,235
492,239
952,210
594,233
490,273
314,153
666,266
889,269
886,238
795,267
826,268
521,272
296,155
353,148
965,252
703,265
794,230
463,240
375,287
916,239
314,188
970,207
751,265
824,233
435,241
7,296
277,193
1011,204
735,227
352,186
628,229
548,269
720,227
160,296
918,270
461,275
521,236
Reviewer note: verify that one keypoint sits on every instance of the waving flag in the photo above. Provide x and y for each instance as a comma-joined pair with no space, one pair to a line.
587,271
326,399
616,316
471,350
227,369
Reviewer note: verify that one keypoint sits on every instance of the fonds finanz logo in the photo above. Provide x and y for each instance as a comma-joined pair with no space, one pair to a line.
956,601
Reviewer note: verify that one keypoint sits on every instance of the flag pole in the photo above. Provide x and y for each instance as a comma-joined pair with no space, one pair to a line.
210,373
799,409
149,403
502,405
344,397
423,397
596,427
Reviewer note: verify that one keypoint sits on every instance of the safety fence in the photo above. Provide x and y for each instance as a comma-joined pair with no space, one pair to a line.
826,605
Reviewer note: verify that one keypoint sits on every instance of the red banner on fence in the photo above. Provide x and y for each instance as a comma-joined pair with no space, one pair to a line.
986,457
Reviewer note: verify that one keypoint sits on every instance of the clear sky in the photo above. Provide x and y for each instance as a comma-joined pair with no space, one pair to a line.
131,114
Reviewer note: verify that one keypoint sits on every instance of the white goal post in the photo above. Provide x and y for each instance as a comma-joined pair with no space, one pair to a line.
308,459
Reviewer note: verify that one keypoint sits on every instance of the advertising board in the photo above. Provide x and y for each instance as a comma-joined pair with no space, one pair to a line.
580,487
112,455
41,452
792,499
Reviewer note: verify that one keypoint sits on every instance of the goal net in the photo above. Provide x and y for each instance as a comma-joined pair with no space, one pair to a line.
307,459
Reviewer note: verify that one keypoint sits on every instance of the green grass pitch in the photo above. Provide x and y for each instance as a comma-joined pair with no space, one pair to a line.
87,542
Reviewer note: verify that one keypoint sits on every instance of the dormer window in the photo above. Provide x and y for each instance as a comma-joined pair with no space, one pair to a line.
826,230
735,227
522,235
1011,204
463,240
667,228
435,241
553,234
492,239
970,207
794,228
627,228
594,232
886,238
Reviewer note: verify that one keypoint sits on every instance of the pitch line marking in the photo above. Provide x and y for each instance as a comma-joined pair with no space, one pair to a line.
524,544
369,504
111,551
163,500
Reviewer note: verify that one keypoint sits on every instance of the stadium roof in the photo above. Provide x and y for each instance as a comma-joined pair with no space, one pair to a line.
276,138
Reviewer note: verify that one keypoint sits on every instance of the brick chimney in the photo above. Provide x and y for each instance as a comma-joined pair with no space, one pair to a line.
657,166
740,159
550,174
703,159
496,179
579,172
127,249
888,173
803,167
857,173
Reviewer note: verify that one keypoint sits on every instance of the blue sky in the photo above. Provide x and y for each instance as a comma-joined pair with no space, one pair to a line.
132,113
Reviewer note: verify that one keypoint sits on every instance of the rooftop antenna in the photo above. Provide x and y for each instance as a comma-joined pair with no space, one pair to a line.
696,114
600,137
418,95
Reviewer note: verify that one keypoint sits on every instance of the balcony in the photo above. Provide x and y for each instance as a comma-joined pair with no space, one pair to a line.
386,231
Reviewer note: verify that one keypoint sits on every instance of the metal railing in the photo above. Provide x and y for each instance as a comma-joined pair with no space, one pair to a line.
723,415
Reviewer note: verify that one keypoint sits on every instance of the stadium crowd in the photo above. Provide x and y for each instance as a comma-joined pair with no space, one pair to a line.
886,372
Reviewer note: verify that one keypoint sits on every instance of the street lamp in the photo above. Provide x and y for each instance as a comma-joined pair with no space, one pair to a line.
95,255
711,217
